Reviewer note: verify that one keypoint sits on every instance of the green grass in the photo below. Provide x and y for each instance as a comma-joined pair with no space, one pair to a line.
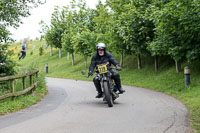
9,105
165,80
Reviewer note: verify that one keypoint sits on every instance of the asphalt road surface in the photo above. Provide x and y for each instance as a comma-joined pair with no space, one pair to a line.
71,107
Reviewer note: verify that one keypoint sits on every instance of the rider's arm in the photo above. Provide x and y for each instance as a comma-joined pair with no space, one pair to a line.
93,63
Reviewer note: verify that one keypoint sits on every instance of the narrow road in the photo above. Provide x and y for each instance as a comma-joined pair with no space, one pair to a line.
70,107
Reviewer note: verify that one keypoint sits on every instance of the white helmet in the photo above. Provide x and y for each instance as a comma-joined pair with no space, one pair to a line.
101,46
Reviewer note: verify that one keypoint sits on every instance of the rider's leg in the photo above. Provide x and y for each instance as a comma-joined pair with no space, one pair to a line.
21,55
117,80
24,54
98,86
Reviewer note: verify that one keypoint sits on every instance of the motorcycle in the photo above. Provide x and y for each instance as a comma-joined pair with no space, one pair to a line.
108,85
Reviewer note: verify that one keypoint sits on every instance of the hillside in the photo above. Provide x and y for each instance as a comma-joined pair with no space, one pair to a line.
165,80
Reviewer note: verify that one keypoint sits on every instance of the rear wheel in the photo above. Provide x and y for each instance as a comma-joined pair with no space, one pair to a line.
107,93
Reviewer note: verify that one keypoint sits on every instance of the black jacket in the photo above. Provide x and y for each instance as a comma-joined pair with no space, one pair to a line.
96,60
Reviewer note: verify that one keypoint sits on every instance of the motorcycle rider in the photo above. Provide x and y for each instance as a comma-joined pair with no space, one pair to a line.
101,57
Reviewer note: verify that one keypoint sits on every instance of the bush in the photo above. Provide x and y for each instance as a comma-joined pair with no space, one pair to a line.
31,53
41,51
6,64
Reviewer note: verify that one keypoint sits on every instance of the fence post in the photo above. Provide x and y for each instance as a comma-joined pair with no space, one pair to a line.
36,74
36,79
13,88
31,81
24,83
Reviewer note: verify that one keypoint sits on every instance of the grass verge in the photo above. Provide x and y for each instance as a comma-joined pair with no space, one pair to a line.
8,105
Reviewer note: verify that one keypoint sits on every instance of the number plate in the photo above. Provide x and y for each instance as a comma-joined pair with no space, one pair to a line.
102,68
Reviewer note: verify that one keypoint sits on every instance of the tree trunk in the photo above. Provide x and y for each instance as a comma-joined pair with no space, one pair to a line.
72,59
156,63
178,66
59,52
85,61
51,54
67,55
121,60
139,62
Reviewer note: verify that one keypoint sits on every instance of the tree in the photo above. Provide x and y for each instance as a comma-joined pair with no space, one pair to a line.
85,43
68,43
77,22
133,27
46,34
107,27
177,30
85,39
103,25
71,31
58,27
117,28
49,37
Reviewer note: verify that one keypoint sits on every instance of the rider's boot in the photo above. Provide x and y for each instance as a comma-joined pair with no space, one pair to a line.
121,90
98,87
119,87
100,93
117,80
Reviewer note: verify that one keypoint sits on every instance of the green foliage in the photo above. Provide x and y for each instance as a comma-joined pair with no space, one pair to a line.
53,34
85,43
131,30
177,29
49,37
6,64
41,51
31,53
103,26
68,42
44,30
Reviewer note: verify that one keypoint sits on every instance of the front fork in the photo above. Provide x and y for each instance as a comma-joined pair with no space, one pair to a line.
112,86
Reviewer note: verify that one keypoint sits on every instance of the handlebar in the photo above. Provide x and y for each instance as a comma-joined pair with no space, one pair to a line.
110,67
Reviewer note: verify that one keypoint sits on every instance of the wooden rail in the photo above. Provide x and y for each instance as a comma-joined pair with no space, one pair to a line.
23,76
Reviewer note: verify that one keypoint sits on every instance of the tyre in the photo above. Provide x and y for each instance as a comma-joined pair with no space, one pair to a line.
108,96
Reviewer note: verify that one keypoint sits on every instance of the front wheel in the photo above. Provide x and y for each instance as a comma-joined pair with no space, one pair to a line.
107,93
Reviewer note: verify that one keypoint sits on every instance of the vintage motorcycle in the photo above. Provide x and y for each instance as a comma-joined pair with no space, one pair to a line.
108,85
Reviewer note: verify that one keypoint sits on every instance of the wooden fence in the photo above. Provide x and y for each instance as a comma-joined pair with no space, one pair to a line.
13,94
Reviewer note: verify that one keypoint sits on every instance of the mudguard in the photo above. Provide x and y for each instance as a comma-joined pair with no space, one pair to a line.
105,78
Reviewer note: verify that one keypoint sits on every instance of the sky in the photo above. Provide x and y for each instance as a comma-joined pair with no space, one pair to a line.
30,27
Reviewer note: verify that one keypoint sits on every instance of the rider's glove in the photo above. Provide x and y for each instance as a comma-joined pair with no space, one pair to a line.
118,67
90,73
